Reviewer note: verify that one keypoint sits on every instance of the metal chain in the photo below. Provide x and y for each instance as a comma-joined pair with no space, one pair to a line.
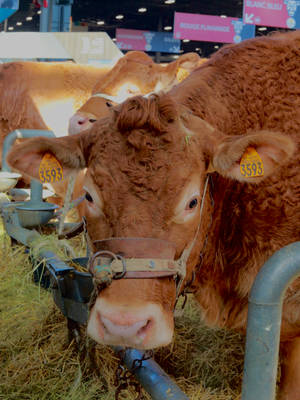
125,378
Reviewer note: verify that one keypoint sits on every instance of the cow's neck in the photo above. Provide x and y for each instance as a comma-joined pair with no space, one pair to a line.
243,235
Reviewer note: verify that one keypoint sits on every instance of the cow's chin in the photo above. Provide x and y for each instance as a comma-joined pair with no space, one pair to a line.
142,326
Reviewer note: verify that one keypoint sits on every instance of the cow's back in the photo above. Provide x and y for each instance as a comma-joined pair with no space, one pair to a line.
250,86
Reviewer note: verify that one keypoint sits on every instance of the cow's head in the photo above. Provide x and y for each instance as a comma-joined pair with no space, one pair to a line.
134,74
146,170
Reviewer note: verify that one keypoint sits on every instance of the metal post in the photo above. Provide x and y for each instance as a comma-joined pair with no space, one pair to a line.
264,321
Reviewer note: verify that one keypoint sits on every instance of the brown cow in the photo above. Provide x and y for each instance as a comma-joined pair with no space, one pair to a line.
135,73
147,166
40,95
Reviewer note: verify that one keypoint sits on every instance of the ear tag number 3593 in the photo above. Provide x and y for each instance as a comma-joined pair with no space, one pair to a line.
50,169
251,164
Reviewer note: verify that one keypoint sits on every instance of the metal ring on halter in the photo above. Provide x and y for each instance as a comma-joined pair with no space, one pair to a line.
100,253
120,275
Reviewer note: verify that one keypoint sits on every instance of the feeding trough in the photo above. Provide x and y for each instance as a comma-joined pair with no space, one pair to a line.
35,212
8,180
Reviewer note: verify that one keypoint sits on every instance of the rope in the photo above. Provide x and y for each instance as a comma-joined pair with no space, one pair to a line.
67,202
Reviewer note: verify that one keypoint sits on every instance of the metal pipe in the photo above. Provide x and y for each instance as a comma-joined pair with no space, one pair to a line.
36,192
264,321
19,134
151,376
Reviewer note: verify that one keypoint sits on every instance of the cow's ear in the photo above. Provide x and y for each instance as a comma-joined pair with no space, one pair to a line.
47,159
252,157
183,66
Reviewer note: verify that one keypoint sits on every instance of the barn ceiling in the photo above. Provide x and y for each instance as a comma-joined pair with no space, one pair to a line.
158,15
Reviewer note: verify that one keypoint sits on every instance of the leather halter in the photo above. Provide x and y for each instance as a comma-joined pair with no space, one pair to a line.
115,99
140,258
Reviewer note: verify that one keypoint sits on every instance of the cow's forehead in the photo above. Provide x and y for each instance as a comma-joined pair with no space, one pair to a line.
144,144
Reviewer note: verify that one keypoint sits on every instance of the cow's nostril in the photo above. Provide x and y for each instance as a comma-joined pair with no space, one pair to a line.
143,330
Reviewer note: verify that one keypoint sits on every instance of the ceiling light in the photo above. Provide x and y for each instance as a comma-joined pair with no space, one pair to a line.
10,28
216,46
223,16
142,9
100,22
28,18
119,16
186,40
19,23
39,12
169,1
168,28
262,28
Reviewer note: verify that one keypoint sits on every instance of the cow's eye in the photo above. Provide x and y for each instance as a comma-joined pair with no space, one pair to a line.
108,104
192,204
88,197
91,120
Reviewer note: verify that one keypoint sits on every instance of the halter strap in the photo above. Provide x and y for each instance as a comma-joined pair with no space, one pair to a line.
106,97
187,251
115,99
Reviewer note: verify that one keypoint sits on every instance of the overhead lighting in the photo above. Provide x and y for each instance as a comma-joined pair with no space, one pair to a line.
262,28
169,1
142,9
119,16
168,28
216,46
19,23
10,28
100,22
28,18
186,40
39,12
223,16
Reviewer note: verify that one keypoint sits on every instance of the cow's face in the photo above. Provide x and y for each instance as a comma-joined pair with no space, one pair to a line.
146,169
134,74
142,184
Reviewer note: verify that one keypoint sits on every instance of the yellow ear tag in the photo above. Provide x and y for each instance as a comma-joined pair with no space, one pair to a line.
182,74
50,169
251,164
